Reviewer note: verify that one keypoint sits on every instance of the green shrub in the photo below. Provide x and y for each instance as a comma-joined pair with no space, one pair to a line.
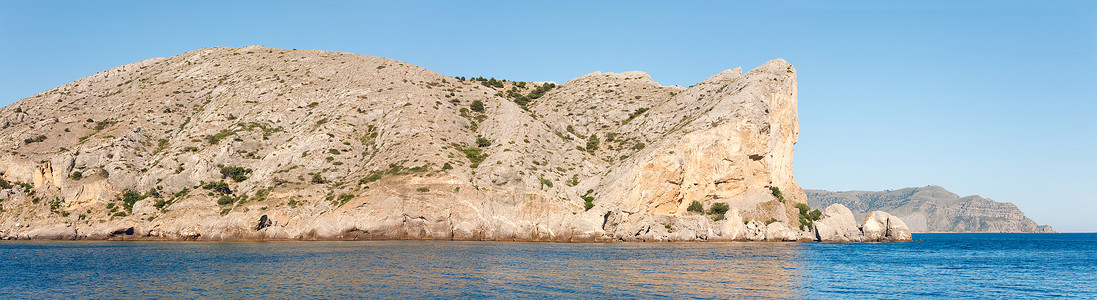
317,179
225,200
770,221
129,198
477,106
34,139
695,207
216,138
77,175
482,142
719,208
422,190
588,199
218,186
545,182
474,156
777,193
344,198
237,174
573,181
807,216
592,143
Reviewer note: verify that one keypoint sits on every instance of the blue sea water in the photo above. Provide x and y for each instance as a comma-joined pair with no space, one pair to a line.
939,266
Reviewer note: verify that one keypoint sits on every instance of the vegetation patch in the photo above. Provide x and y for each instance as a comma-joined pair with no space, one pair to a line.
588,200
217,186
36,139
474,155
807,216
216,138
777,193
237,174
592,143
342,199
718,210
696,207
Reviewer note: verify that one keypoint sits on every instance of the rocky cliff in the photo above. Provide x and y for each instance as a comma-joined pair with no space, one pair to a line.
934,209
262,143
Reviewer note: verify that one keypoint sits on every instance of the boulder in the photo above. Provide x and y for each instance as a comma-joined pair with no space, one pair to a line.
883,227
837,225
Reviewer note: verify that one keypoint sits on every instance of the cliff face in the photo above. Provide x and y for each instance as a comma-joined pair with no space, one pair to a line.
934,209
262,143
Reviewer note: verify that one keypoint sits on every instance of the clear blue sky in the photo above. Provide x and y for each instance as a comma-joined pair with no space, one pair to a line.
991,98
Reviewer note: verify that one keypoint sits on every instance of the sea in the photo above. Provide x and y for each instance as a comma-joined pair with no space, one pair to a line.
943,266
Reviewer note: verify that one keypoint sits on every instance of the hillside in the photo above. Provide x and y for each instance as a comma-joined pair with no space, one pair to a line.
934,209
262,143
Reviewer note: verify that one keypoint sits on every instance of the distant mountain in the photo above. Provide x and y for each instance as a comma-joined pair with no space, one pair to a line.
934,209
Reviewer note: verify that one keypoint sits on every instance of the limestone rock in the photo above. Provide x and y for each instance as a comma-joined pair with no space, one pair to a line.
882,227
837,224
262,143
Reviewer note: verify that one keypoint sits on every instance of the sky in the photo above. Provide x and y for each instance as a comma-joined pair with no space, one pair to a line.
997,98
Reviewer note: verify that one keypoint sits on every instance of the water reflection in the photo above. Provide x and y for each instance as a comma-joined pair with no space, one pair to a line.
400,269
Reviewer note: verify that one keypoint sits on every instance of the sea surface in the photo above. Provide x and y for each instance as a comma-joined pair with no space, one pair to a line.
943,266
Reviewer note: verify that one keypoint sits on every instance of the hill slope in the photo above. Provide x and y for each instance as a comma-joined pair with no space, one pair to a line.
934,209
262,143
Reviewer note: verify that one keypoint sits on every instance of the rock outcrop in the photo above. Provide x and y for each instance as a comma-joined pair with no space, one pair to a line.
837,225
262,143
934,209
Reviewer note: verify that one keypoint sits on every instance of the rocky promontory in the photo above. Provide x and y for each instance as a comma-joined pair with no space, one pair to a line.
258,143
934,209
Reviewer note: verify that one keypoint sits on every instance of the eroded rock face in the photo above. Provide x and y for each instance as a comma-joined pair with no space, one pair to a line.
262,143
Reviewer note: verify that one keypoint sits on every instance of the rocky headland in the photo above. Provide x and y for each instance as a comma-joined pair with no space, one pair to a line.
934,209
258,143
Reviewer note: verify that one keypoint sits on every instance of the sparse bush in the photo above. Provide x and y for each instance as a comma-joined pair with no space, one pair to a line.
218,186
237,174
225,200
807,216
477,106
34,139
777,193
216,138
573,181
545,182
719,208
77,175
695,207
129,198
482,142
474,156
592,143
588,199
422,190
317,179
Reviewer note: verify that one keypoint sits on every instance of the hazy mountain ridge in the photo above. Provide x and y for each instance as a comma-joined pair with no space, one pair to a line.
934,209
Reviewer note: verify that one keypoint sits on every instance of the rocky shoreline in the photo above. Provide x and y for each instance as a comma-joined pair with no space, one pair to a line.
836,225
